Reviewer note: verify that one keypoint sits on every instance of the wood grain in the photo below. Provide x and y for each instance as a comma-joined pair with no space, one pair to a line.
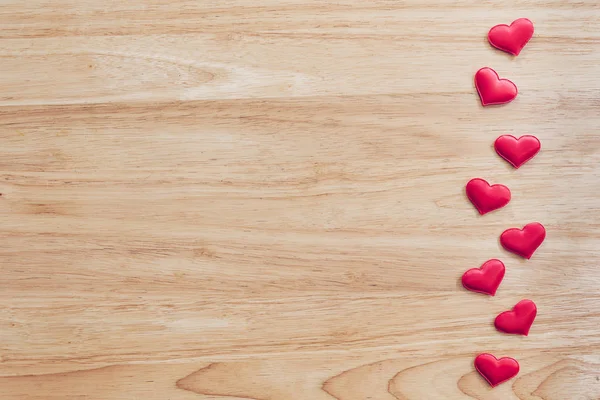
240,200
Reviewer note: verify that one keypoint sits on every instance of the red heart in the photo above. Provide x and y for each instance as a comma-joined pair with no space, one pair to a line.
485,279
524,241
492,89
517,151
518,320
487,198
494,370
511,38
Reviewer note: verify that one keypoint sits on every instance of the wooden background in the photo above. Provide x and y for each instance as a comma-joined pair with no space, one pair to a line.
235,199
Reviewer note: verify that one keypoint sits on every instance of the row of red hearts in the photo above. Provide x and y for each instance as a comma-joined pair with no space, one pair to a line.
512,39
485,197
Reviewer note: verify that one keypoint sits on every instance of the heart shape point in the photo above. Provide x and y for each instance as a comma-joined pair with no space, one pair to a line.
513,38
486,197
517,151
492,89
517,321
484,279
523,242
496,371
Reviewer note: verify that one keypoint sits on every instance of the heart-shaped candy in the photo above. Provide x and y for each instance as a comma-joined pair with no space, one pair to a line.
486,197
492,89
517,321
523,242
486,278
517,151
511,38
494,370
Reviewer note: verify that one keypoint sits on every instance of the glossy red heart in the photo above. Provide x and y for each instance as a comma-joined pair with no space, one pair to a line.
523,242
494,370
511,38
492,89
486,278
517,151
517,321
486,197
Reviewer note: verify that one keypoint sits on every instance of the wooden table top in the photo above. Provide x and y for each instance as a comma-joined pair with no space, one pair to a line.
265,200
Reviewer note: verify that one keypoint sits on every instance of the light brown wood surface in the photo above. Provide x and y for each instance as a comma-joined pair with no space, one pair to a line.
264,200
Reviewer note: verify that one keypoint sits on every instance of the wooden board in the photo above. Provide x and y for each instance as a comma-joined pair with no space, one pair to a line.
264,200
